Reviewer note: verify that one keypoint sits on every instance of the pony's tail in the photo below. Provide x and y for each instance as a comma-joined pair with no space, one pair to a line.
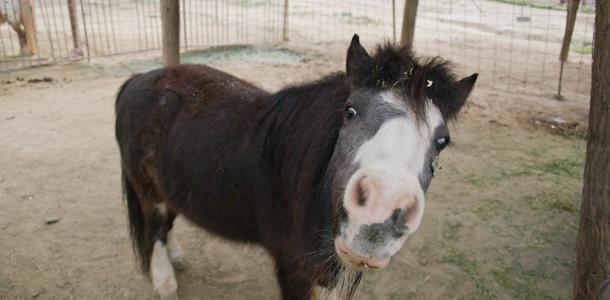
138,226
142,246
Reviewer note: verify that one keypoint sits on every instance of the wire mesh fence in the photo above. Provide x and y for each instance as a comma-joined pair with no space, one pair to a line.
327,21
110,27
513,44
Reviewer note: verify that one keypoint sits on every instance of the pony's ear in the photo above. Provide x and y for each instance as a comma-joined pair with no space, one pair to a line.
358,61
463,88
450,101
466,84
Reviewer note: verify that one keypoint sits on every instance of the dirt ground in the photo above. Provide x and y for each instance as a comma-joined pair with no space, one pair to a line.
501,215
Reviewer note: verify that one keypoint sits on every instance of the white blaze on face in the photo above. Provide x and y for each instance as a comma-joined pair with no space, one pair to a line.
391,162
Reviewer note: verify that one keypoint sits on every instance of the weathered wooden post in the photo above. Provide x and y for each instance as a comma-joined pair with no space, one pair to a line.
285,29
408,23
567,39
593,242
394,20
170,33
76,51
27,19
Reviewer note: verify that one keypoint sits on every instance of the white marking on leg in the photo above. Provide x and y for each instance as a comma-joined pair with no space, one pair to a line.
322,293
162,209
162,273
173,247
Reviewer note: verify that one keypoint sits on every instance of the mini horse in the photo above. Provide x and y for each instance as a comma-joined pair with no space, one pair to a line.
329,176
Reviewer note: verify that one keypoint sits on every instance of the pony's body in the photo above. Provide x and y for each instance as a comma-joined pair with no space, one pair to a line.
272,169
184,116
210,187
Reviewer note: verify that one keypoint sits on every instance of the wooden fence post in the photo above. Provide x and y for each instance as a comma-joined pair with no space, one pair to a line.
593,242
567,39
285,30
27,18
394,20
76,52
408,24
170,22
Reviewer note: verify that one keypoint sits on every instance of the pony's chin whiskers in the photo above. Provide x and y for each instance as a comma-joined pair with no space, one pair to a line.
347,281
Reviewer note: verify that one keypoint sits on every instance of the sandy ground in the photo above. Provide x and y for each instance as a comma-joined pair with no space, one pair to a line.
501,214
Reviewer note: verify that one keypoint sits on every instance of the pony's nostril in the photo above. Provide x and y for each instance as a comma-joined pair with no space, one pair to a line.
396,214
398,223
361,194
399,230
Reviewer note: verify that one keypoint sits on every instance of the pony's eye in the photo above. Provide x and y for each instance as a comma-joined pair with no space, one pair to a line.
350,112
442,143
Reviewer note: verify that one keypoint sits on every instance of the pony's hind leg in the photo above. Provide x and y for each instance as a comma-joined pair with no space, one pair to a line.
151,221
174,250
162,273
161,269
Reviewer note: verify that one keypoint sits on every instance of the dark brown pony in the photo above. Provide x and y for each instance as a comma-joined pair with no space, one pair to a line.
329,176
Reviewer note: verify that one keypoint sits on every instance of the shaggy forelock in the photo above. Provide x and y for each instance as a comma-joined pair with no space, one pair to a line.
396,67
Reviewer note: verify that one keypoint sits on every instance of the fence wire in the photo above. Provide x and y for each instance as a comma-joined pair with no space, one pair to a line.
513,44
111,27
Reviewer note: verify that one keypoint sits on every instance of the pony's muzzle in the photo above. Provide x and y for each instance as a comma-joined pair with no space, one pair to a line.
398,204
347,254
381,213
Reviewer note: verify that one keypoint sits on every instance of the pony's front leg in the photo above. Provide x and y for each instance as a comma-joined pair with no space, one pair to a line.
293,285
322,293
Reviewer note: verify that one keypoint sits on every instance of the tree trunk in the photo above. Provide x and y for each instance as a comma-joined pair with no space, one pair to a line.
593,243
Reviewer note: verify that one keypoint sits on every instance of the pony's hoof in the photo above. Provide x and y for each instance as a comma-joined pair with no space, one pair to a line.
169,296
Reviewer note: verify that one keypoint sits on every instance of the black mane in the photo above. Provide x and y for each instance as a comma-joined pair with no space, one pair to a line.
300,129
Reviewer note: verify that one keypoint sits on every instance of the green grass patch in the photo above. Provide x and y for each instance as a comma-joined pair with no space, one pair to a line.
469,267
553,201
562,167
475,180
583,49
485,212
532,4
549,6
571,167
350,18
503,174
520,284
248,3
490,208
303,13
243,53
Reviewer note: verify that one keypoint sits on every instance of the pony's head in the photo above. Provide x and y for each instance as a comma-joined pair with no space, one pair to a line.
394,127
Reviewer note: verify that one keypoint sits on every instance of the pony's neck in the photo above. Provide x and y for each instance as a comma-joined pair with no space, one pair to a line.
297,135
